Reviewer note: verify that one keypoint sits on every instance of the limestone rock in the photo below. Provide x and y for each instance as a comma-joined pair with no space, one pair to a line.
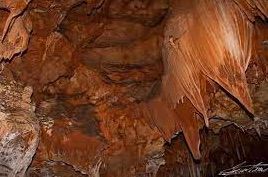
19,131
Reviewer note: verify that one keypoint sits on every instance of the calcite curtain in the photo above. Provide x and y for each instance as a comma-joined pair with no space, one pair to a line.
207,41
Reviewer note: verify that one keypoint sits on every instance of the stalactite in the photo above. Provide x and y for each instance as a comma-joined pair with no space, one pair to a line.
208,41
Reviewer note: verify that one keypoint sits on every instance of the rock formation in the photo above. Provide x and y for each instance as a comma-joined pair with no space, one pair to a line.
117,88
202,45
19,132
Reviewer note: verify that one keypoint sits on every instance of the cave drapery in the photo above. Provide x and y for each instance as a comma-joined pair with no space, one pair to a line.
206,44
210,41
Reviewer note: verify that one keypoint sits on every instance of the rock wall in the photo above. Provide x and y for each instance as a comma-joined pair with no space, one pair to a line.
114,81
19,131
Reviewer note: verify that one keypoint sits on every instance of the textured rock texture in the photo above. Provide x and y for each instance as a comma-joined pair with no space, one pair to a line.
16,31
115,83
19,131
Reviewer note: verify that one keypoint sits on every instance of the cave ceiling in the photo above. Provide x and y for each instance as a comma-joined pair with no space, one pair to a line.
101,86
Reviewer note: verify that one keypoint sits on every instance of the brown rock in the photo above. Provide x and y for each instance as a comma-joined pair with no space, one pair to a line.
147,12
19,131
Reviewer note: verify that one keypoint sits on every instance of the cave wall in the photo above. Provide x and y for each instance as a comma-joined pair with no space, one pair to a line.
114,81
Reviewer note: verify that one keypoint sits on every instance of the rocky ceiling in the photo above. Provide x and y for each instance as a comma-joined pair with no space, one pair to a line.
108,87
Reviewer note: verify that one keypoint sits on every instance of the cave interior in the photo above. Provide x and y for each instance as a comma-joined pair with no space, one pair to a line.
133,88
